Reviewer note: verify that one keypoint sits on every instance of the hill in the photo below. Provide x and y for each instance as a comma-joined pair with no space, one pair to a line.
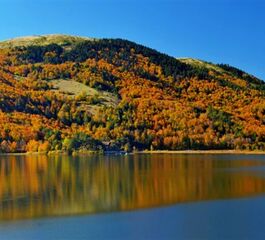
60,92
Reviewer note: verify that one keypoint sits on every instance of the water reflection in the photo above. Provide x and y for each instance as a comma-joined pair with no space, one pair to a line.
35,186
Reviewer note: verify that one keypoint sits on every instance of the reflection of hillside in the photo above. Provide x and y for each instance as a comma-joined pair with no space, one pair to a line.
32,186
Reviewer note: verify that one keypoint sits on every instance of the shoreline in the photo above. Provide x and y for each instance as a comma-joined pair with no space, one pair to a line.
246,152
203,152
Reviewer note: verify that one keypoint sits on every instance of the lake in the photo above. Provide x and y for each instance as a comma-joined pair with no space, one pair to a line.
140,196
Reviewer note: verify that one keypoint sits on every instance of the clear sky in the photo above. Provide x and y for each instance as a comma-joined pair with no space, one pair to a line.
220,31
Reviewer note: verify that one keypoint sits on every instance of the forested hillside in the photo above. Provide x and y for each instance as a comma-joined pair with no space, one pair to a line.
68,93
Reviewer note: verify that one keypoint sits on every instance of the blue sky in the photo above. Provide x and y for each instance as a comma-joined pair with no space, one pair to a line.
220,31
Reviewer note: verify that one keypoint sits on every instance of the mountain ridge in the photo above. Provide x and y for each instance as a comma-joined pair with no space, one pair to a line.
66,39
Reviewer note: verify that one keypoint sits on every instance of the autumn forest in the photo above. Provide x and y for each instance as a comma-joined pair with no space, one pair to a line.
63,93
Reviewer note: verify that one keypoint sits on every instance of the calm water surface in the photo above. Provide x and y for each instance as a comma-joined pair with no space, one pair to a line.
203,196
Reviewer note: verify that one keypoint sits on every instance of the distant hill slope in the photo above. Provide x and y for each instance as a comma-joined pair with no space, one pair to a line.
42,40
67,93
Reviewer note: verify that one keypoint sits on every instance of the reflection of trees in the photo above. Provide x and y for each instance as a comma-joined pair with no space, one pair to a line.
32,186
